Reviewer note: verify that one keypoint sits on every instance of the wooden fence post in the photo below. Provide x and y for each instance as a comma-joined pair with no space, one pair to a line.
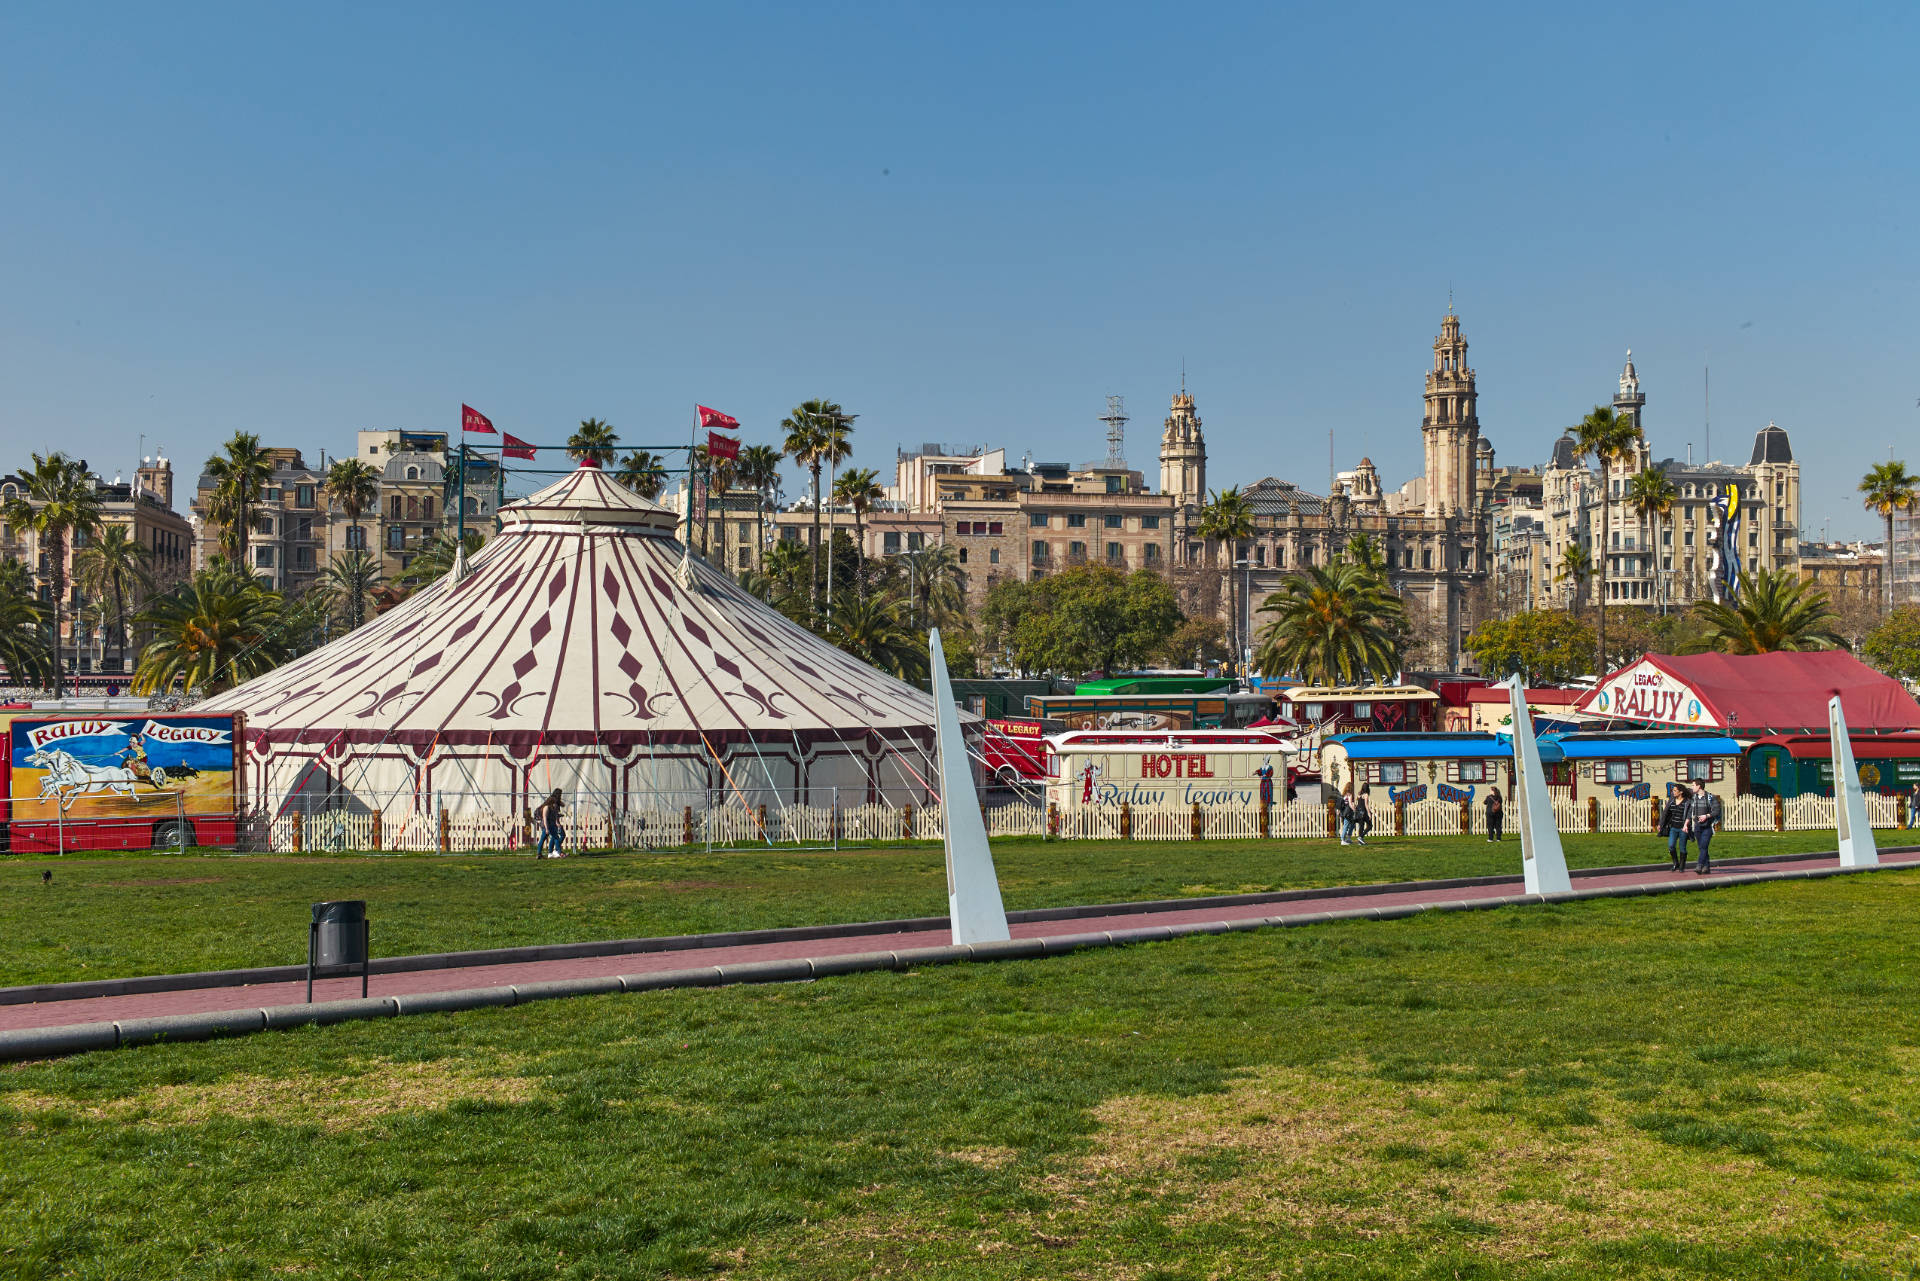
299,831
1780,813
1399,818
1053,821
1466,818
377,835
1654,804
1126,821
906,822
1593,813
1199,823
446,829
761,819
1266,822
686,826
1333,819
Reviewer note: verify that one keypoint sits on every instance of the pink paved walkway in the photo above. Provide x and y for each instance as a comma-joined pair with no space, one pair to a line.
1338,898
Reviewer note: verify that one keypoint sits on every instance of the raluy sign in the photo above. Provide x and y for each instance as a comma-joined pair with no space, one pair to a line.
1642,692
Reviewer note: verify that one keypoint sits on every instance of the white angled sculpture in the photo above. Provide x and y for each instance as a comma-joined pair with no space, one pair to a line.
1544,862
1854,829
973,890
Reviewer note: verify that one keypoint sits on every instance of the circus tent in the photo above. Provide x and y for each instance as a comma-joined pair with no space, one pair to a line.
582,650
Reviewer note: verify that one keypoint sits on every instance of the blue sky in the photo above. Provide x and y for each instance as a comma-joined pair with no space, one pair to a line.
965,223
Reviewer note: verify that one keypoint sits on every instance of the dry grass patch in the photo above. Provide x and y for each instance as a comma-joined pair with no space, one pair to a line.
378,1088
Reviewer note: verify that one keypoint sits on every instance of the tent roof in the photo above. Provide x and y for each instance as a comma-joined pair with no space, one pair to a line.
1759,693
581,622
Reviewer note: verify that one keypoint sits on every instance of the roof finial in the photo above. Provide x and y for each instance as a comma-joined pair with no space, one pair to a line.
1183,375
1449,297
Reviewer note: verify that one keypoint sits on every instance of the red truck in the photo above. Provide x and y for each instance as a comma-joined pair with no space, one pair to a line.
1016,750
120,780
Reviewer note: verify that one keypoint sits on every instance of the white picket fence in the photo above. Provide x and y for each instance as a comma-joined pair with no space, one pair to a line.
736,826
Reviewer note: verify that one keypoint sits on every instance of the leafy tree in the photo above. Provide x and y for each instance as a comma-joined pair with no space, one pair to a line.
1333,624
1576,566
23,630
596,440
816,438
1894,646
1652,495
1607,438
1547,646
113,564
644,472
1093,618
1197,642
60,505
1888,488
213,632
239,477
1227,518
1777,610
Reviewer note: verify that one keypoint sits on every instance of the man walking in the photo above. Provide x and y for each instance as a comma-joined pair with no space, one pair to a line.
1703,817
1673,826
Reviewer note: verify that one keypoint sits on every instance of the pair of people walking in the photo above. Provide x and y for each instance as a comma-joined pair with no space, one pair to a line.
545,820
1356,817
1691,816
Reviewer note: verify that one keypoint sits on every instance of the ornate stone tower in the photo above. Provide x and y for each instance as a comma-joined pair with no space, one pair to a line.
1630,401
1451,428
1183,453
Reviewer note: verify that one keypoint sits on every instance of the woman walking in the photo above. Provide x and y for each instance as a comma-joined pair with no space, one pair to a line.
554,835
1362,817
1703,816
1673,826
1496,815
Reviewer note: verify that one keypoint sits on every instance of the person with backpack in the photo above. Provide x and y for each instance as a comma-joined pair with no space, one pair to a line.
1673,826
1343,809
1704,815
1496,815
1362,817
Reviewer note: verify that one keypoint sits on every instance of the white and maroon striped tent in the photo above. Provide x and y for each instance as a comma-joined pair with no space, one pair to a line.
573,654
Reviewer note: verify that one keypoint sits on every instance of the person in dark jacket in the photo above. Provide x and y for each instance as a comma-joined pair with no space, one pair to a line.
1703,819
1496,815
1673,826
1362,817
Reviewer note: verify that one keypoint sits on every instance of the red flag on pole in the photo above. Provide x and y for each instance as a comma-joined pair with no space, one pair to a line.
719,446
472,419
714,418
511,446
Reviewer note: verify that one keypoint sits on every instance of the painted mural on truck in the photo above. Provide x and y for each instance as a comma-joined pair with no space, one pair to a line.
128,766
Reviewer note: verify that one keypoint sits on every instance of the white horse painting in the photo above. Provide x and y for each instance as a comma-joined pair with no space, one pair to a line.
68,778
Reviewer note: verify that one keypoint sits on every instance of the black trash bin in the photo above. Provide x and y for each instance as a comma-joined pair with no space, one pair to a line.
338,939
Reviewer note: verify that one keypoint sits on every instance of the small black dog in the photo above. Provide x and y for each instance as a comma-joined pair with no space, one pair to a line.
46,876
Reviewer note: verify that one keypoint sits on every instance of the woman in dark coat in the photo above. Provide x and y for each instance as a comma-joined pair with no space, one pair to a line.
1673,826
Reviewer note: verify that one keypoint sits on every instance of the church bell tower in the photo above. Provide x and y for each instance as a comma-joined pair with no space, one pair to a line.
1451,427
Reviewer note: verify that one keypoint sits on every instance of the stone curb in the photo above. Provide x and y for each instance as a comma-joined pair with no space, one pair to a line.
80,1038
141,985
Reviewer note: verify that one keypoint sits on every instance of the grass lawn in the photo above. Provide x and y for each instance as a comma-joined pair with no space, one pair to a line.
113,916
1715,1085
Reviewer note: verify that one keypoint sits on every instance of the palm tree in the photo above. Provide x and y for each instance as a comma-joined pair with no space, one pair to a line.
1361,550
239,477
1607,438
1652,495
111,565
1888,488
1333,625
350,585
1228,518
595,440
354,487
936,586
720,477
760,471
644,472
817,436
435,558
217,629
23,632
1576,566
872,631
61,505
859,489
1777,610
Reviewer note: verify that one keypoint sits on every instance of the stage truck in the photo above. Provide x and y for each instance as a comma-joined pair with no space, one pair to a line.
121,780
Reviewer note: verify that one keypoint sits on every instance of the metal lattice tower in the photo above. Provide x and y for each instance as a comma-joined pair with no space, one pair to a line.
1116,420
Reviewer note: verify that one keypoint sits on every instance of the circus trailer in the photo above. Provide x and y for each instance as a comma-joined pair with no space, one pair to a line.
1235,768
120,781
1790,765
1639,765
583,650
1454,767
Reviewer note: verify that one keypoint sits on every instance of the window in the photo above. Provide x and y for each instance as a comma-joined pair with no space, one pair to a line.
1113,553
396,538
1473,771
1618,771
1039,552
890,542
413,473
303,558
1280,556
916,541
394,508
742,561
1149,522
1113,522
373,451
273,494
413,507
263,557
1313,711
1363,711
303,528
1393,771
1037,519
1701,767
426,509
1151,551
303,495
993,556
996,528
356,539
471,507
1076,521
1076,549
1113,484
1426,560
963,555
789,535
